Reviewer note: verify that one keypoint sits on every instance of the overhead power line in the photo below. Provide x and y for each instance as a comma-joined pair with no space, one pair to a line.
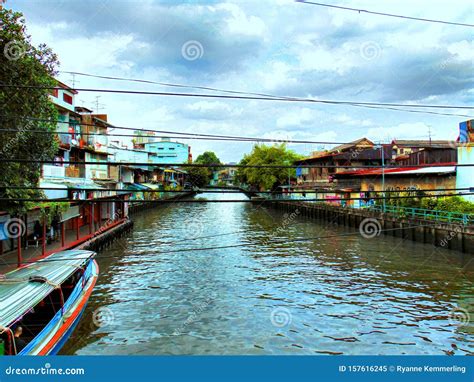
242,92
179,134
182,86
205,137
385,14
241,97
185,165
161,136
219,191
183,136
167,201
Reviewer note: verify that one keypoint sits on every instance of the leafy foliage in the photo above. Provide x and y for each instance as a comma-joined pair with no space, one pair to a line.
208,157
449,203
267,178
22,65
445,203
198,176
201,176
49,210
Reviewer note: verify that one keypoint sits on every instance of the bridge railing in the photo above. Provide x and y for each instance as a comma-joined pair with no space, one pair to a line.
466,219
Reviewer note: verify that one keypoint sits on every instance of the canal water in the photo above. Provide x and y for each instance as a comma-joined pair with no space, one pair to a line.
271,291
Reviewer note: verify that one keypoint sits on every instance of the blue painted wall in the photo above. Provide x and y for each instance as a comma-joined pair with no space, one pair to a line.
168,151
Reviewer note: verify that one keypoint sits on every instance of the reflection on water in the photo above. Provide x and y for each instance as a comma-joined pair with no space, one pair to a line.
264,294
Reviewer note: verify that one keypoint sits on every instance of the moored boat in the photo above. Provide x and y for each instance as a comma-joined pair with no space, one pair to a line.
41,304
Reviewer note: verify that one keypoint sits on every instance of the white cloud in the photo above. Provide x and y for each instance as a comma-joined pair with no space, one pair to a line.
241,23
212,110
296,118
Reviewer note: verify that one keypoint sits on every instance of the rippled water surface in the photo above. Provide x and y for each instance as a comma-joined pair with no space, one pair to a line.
268,294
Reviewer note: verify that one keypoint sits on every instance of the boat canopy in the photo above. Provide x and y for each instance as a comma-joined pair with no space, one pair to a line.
22,289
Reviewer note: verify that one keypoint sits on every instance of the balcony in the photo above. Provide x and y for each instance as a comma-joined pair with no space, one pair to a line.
98,174
65,139
97,142
76,171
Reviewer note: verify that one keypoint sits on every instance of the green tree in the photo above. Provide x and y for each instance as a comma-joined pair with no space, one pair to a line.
198,176
208,157
267,178
24,109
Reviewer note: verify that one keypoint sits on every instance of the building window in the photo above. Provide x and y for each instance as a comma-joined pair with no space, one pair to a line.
171,148
67,98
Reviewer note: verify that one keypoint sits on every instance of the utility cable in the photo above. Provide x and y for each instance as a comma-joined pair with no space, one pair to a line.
386,14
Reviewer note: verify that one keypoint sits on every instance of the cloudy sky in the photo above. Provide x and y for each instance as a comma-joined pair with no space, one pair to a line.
275,46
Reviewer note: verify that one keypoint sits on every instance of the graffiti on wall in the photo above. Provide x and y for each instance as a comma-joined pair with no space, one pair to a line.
403,188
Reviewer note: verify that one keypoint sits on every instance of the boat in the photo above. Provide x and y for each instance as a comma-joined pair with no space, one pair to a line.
42,303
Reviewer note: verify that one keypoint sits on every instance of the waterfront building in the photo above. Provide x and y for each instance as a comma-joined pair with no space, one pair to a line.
68,125
142,137
130,176
339,178
419,152
318,182
327,163
164,151
129,173
76,181
226,176
167,151
465,150
366,182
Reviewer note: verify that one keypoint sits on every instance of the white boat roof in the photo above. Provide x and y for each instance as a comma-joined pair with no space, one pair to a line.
18,294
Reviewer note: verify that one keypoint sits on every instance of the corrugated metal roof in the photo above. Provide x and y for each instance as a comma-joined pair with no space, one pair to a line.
338,149
417,143
18,295
429,169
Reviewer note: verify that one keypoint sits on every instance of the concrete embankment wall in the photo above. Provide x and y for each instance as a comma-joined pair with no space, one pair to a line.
447,235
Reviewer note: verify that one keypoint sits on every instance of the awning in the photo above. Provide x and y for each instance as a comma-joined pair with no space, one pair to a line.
72,212
84,186
136,187
105,181
152,186
133,167
54,194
